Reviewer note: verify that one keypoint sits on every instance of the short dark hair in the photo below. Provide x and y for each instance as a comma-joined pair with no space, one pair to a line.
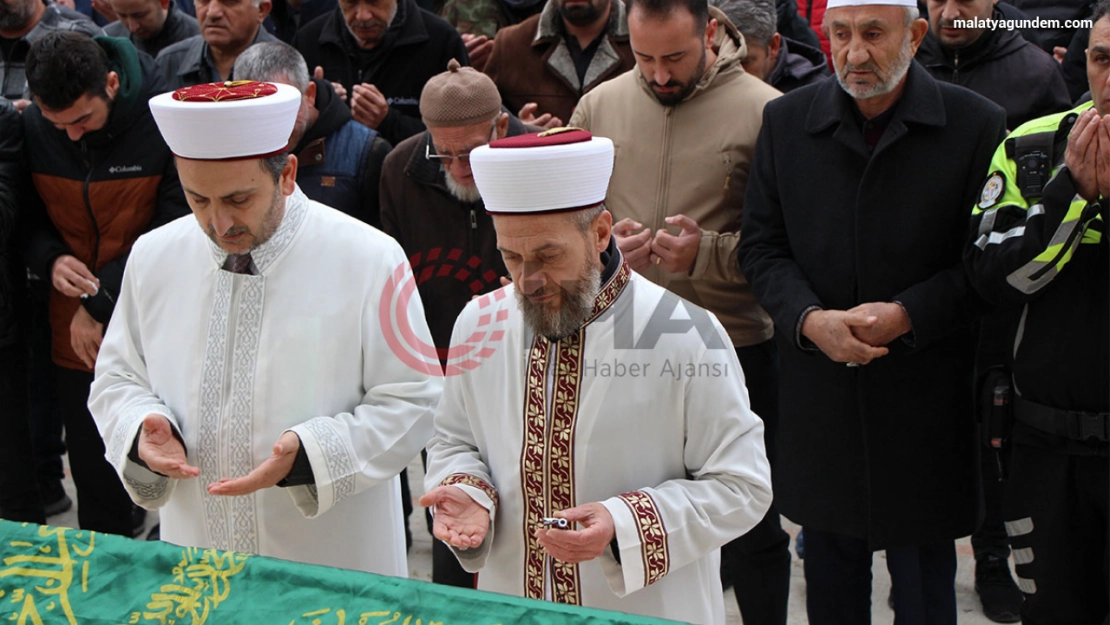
63,66
664,8
274,165
1101,11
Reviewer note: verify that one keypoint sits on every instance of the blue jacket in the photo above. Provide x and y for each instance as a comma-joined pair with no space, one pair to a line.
340,160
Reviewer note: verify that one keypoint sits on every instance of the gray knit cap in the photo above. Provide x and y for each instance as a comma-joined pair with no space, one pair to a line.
461,96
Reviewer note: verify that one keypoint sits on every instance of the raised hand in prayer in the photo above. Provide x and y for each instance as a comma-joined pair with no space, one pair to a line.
635,246
1102,157
161,451
527,115
833,332
1081,156
273,470
478,48
459,521
368,106
579,545
676,253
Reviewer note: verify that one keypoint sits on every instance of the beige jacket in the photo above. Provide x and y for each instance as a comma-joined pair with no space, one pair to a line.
692,159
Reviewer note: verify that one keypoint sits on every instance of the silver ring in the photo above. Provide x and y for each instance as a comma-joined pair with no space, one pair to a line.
855,364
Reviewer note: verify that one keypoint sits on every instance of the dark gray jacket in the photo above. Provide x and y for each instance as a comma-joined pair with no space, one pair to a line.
13,77
1004,68
177,27
183,64
797,66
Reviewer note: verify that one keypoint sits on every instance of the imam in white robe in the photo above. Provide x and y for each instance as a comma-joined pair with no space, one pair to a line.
650,419
233,361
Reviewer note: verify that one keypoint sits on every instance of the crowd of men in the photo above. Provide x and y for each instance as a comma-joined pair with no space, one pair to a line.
856,251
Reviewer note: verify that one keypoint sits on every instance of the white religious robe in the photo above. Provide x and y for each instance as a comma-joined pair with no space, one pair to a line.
661,434
233,361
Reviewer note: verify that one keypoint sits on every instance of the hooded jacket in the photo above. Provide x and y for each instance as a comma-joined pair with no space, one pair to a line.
797,66
339,161
99,193
530,62
1004,68
416,46
691,159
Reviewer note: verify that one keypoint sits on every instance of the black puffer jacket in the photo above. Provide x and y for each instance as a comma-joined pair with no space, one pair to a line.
416,47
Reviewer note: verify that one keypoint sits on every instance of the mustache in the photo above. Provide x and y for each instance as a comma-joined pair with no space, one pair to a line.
864,67
369,24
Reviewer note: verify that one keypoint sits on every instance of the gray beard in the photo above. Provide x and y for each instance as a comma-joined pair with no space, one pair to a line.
577,304
461,193
882,86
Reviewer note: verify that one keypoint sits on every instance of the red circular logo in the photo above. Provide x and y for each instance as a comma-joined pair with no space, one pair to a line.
397,296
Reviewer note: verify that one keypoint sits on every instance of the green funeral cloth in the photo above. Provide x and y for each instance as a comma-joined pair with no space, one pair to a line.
59,575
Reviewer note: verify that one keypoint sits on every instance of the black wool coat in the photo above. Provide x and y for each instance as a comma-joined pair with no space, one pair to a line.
886,451
417,46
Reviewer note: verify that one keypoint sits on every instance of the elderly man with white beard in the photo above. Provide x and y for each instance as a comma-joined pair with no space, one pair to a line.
557,474
859,265
429,202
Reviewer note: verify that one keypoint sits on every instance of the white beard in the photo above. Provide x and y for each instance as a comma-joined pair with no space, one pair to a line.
882,86
461,193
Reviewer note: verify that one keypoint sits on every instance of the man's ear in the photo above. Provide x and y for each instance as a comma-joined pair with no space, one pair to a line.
603,229
917,33
264,10
710,33
112,85
502,125
288,179
310,93
774,47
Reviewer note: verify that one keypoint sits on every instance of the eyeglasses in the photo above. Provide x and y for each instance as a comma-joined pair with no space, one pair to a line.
446,159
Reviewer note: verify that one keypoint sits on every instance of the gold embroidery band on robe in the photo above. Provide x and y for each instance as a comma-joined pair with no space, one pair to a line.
469,480
547,458
653,535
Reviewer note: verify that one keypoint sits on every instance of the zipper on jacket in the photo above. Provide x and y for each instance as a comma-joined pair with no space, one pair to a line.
661,191
955,66
470,233
88,206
